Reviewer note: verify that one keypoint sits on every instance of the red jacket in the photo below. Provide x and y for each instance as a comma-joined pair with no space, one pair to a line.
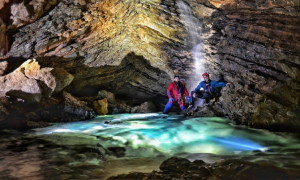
173,91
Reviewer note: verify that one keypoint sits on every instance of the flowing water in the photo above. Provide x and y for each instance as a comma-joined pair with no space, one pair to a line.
192,25
137,142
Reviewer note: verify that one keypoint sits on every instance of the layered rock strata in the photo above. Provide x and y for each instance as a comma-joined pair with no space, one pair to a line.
133,49
17,13
258,52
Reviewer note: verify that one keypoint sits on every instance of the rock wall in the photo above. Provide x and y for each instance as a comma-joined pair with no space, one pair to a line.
17,13
258,51
133,49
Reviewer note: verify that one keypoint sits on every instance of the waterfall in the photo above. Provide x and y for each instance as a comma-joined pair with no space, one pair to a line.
192,26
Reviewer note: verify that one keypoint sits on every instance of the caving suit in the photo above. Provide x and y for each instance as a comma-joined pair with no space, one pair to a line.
208,89
176,93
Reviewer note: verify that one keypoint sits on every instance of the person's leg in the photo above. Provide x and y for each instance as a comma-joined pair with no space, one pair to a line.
192,97
207,96
199,94
168,107
197,101
182,107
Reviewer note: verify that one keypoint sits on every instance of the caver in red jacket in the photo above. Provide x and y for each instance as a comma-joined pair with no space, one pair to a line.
177,92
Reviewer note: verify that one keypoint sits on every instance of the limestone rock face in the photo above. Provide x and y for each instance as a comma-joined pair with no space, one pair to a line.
133,49
3,67
62,79
134,79
17,13
2,38
19,114
98,26
107,95
66,108
2,3
24,12
75,109
259,49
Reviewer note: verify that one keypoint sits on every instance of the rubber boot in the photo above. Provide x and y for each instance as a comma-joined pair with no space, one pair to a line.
182,108
192,97
168,108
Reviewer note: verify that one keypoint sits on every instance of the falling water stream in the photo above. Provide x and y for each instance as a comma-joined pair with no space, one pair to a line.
137,142
192,25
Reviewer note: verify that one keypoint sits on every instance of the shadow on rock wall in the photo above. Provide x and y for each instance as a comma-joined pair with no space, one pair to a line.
134,80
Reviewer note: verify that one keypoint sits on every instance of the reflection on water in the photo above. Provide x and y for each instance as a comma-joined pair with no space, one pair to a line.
175,134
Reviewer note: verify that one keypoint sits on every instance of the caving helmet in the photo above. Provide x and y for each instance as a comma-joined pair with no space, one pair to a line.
205,75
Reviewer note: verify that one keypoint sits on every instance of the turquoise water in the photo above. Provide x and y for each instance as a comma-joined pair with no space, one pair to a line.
176,134
114,144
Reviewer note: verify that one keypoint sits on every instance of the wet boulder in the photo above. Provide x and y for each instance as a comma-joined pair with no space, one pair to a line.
146,107
108,95
30,83
181,168
62,79
75,109
100,106
174,164
16,84
64,109
201,111
239,169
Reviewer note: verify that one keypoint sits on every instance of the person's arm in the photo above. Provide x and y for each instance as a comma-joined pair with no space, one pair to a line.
183,88
169,90
218,84
186,93
188,98
199,86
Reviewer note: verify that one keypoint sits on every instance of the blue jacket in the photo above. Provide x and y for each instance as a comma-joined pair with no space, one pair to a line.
213,85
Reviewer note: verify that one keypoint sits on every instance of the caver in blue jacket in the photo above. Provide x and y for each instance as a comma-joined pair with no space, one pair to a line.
212,86
205,89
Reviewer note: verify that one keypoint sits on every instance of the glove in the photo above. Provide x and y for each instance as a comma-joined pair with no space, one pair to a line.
170,99
188,99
